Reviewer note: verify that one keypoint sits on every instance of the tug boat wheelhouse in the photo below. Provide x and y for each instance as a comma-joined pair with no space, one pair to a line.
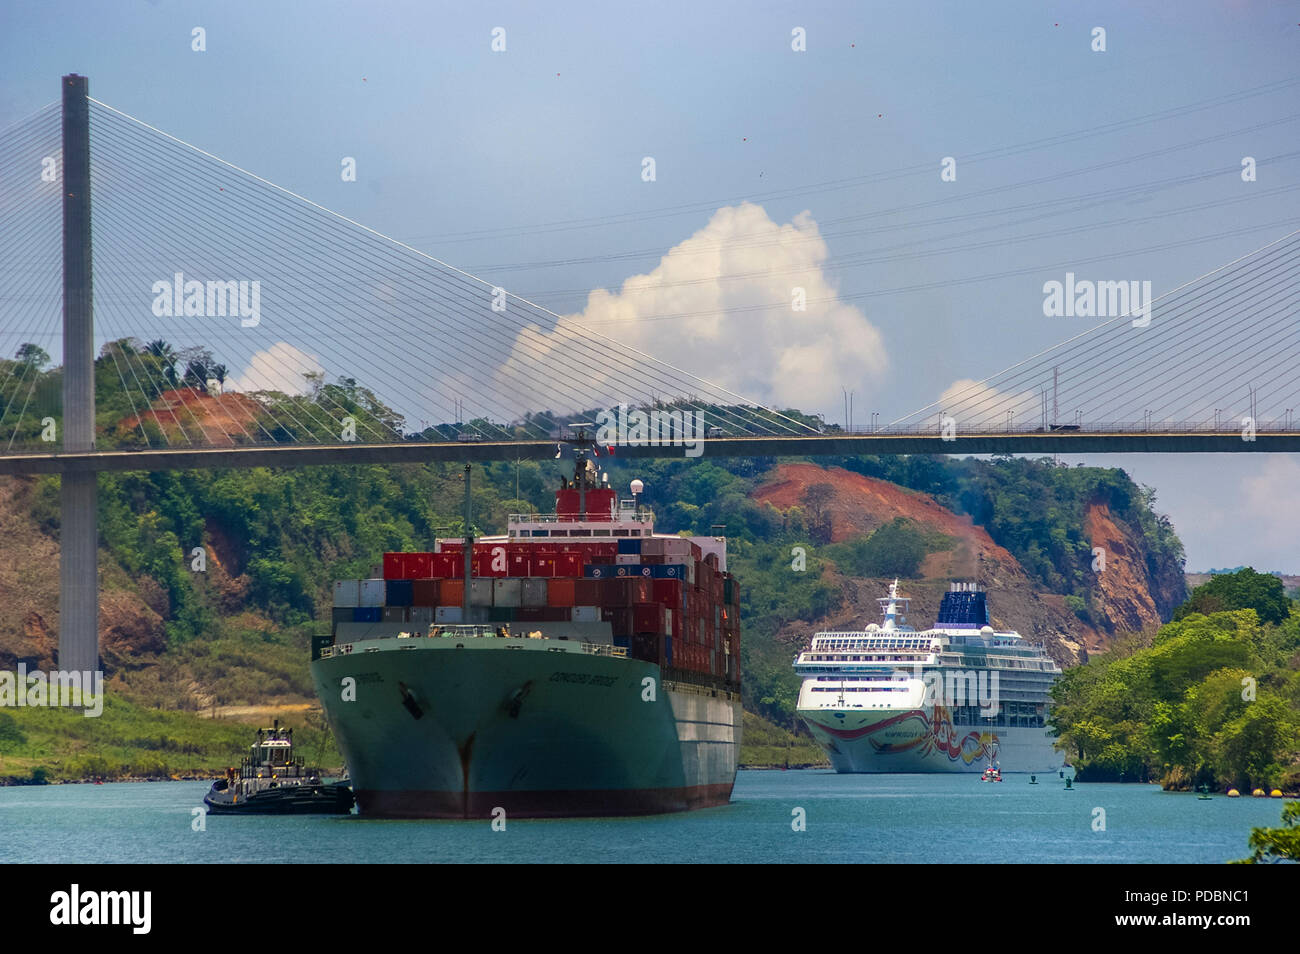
948,699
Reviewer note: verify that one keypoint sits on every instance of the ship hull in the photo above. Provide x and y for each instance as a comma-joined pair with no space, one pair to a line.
440,728
924,740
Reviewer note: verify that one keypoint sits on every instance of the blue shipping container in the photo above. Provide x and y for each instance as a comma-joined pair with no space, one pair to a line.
629,545
400,593
668,571
367,614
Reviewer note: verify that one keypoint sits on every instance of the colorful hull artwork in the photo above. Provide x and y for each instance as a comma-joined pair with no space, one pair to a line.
918,740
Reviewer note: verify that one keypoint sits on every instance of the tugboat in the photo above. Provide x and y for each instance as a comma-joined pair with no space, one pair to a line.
270,781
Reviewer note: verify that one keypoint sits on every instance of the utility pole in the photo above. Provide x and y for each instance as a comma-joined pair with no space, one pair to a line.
79,534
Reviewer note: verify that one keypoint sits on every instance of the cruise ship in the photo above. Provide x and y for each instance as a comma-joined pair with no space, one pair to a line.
580,664
954,698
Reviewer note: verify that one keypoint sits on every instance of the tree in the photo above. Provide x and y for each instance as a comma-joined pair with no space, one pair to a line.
817,499
32,355
166,356
1244,589
1277,844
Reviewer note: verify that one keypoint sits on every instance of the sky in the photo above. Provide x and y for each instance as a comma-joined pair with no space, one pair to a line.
793,146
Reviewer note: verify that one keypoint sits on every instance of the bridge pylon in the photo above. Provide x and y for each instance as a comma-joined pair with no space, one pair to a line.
79,532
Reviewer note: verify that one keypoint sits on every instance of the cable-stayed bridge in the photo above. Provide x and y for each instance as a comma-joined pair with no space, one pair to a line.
196,311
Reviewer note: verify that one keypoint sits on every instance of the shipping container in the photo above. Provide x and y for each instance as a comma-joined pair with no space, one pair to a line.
343,614
586,614
394,614
519,561
648,618
544,565
399,593
501,614
596,571
534,592
652,546
367,614
394,566
480,593
419,566
425,592
588,592
451,592
628,559
560,592
506,591
421,615
568,564
669,571
631,545
372,593
347,593
449,566
447,614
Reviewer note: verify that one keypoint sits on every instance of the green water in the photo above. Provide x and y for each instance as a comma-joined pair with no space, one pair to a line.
849,818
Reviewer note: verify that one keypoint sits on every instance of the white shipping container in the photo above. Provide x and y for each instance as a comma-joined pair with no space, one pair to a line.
677,547
586,614
534,592
347,593
481,592
372,593
447,614
505,591
652,546
628,559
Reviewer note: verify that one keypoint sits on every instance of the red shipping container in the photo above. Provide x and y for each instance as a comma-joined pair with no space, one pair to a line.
419,565
451,592
446,566
667,592
543,565
395,566
425,592
588,592
519,564
648,618
568,564
561,593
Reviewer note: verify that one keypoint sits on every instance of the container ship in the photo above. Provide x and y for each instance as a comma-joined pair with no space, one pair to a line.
959,697
579,665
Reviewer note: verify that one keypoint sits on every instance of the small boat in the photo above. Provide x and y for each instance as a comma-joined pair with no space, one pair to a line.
270,781
991,773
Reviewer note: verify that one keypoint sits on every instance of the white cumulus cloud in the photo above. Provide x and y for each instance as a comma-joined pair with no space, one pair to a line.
750,341
278,368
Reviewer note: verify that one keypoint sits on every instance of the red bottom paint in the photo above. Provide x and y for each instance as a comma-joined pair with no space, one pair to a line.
555,804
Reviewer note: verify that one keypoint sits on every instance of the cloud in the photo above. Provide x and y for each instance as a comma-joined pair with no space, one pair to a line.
774,355
278,368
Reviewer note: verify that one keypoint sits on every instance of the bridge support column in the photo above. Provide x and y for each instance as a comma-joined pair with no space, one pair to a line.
79,535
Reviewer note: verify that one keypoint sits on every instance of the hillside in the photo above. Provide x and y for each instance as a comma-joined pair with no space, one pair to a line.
231,639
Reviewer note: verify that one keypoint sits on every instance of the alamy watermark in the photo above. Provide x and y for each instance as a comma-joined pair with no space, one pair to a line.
1088,299
195,299
955,688
656,428
76,689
